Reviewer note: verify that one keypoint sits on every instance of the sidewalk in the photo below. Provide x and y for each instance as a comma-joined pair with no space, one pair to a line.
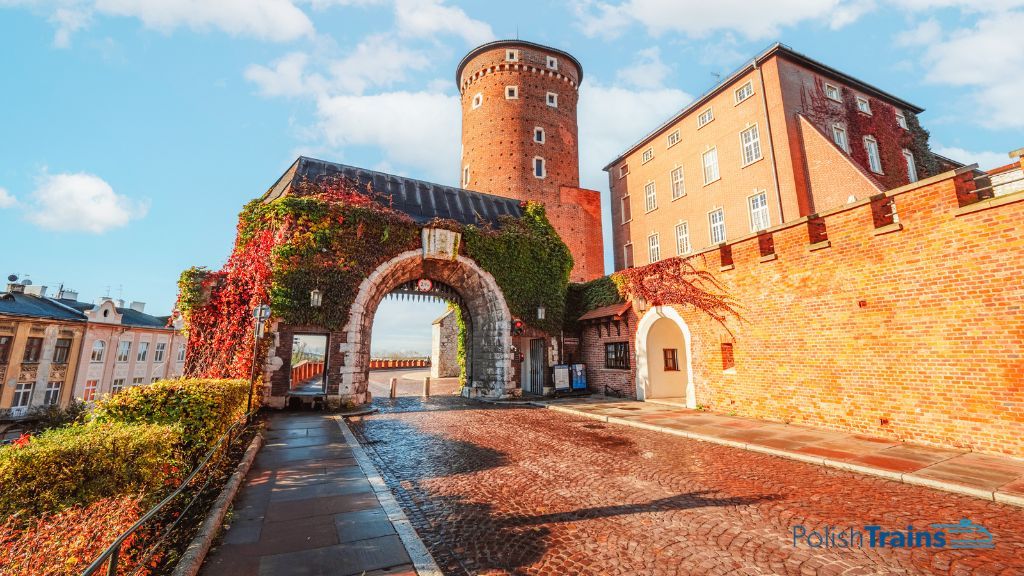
989,477
313,504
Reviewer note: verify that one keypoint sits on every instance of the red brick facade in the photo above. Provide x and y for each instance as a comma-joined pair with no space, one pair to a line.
501,143
593,338
909,331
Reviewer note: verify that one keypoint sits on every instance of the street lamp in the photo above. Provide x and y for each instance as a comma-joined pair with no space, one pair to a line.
316,298
261,313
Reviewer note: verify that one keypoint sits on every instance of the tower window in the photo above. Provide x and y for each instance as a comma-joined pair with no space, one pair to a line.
478,100
511,92
552,63
539,168
552,100
465,176
512,55
538,135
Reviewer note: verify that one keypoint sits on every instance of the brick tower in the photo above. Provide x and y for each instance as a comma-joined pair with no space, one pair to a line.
519,139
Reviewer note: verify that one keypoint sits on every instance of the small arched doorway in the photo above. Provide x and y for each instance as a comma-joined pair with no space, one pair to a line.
664,366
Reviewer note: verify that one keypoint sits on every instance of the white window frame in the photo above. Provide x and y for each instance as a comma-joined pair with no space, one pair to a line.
51,395
126,354
512,92
22,394
539,130
478,100
142,352
647,155
511,55
465,175
181,352
845,144
117,385
867,105
623,170
683,245
90,390
551,62
908,157
705,117
623,205
874,160
748,85
678,179
627,255
901,120
650,197
93,356
704,165
653,248
672,142
755,144
551,99
839,94
711,226
543,168
138,380
760,210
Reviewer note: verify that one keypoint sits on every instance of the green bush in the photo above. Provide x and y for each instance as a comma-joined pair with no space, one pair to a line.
204,409
80,464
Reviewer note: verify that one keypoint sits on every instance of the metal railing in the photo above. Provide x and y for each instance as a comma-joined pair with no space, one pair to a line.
112,555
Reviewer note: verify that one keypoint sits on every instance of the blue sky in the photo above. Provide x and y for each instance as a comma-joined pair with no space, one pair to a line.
134,130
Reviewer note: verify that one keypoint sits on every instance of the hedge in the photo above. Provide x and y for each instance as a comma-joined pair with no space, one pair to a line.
81,464
204,409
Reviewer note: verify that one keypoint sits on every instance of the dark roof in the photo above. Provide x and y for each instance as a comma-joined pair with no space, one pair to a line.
36,307
613,310
501,43
777,48
421,201
129,317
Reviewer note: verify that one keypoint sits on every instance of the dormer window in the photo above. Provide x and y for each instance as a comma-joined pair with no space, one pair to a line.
552,63
512,55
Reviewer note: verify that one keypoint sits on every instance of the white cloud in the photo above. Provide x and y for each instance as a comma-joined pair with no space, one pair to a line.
7,200
285,77
985,159
68,21
426,18
966,5
647,71
81,202
276,20
698,18
925,33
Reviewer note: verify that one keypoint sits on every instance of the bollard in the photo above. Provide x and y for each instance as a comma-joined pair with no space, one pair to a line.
426,386
394,387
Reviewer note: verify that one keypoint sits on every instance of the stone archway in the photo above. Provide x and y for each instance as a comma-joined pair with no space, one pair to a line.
656,327
489,358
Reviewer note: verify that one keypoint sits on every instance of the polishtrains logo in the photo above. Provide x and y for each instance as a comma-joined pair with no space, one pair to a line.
962,535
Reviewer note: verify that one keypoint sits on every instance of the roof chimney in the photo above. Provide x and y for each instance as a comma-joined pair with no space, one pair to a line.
68,295
15,288
36,290
138,306
119,302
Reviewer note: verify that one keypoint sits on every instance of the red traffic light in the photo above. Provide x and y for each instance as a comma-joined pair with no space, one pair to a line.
518,327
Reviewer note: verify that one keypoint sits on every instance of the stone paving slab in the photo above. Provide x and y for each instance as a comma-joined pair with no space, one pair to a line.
985,476
308,508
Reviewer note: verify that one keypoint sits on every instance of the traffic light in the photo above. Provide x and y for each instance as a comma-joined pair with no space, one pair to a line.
518,327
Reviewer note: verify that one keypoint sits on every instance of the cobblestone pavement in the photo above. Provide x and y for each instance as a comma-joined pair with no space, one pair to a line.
518,490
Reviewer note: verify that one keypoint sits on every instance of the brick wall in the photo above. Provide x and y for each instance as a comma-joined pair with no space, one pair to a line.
593,338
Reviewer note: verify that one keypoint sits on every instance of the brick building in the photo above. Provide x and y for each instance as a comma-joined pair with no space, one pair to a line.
519,139
781,138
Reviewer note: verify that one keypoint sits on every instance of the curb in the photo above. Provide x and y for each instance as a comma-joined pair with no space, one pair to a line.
905,478
192,559
421,558
360,412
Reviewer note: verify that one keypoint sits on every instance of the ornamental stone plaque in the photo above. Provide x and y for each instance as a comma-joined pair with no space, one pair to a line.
440,244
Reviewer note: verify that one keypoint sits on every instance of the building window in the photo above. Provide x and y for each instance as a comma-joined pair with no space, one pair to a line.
648,155
552,63
158,354
705,117
5,348
22,394
124,350
138,381
627,212
650,197
99,347
653,248
832,93
745,91
759,219
716,218
728,360
863,105
154,379
627,256
911,165
62,350
117,385
616,355
539,169
901,120
143,352
750,140
181,352
710,160
839,137
511,55
51,397
623,170
671,359
678,185
682,238
552,100
673,139
478,100
33,350
89,393
465,176
874,160
511,92
538,135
